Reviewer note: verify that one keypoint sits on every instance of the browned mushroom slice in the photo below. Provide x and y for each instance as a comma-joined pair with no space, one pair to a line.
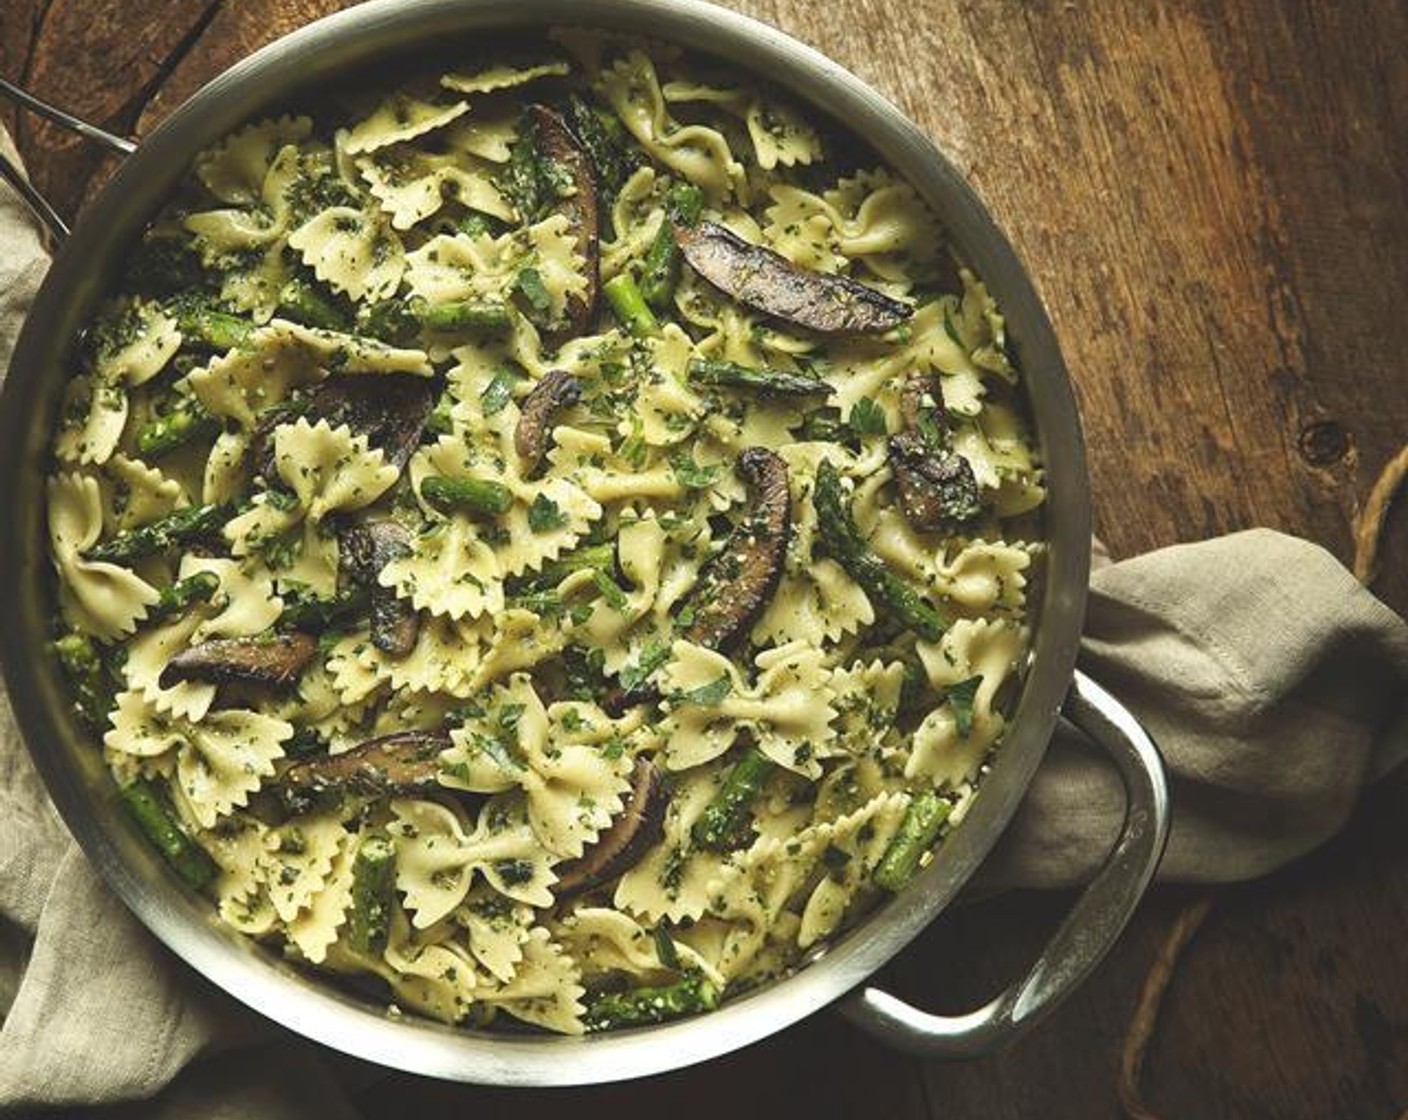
555,391
937,488
768,281
363,550
390,409
559,146
736,585
405,762
622,845
275,661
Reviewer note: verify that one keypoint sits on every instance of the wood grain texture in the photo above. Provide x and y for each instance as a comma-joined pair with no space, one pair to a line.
1209,195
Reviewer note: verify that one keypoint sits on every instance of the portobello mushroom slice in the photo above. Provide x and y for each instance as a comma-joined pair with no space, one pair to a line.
405,762
557,390
621,846
560,147
276,661
390,409
938,491
768,281
363,550
736,585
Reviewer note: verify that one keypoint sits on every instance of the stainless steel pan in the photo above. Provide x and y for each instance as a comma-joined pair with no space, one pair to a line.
379,35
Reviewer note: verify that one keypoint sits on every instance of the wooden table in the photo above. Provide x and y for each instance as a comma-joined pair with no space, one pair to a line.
1210,195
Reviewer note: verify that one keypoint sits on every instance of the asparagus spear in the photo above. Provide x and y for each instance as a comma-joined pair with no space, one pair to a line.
922,822
726,821
200,322
82,663
693,994
173,529
592,557
629,305
708,371
844,541
158,823
373,887
187,421
603,139
475,495
305,303
397,320
660,274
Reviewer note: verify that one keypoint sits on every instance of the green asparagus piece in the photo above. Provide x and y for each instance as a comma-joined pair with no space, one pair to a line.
440,422
922,823
709,371
690,996
660,274
173,529
824,425
726,822
462,315
305,303
373,894
187,421
88,677
475,495
629,305
603,139
844,541
199,588
158,823
317,615
199,322
392,321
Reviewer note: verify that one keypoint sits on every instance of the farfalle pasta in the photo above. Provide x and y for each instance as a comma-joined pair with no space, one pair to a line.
552,540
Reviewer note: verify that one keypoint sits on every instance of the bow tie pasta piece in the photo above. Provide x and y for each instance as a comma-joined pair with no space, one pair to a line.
637,215
450,571
491,78
778,134
130,344
413,185
606,943
239,849
135,493
444,659
235,170
545,991
572,789
436,977
399,118
300,856
857,844
788,711
353,251
314,930
988,576
148,655
498,929
101,599
220,760
438,856
867,701
246,604
328,470
969,663
697,153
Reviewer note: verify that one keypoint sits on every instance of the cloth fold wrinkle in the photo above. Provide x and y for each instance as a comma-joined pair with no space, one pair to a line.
1273,682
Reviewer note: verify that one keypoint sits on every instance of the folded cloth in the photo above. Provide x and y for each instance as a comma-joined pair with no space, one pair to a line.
1274,683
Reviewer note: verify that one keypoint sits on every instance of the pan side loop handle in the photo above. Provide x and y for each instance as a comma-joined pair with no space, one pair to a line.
1089,930
37,203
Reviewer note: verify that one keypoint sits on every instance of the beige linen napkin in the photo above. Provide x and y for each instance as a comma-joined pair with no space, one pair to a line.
1273,682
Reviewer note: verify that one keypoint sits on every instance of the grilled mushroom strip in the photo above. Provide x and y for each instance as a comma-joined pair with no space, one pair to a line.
557,390
277,661
937,488
736,585
769,282
363,550
389,409
557,144
621,845
406,762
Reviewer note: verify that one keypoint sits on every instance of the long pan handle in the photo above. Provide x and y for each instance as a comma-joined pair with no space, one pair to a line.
1088,932
37,203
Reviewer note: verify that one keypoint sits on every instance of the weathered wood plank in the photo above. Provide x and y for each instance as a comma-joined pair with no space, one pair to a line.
19,26
96,60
